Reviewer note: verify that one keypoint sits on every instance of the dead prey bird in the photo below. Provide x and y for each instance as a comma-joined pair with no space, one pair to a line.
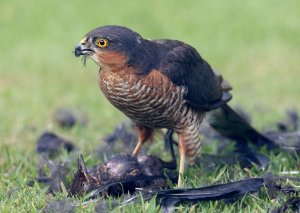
120,174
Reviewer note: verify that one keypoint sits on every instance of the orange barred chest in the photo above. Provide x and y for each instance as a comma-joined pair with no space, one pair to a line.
151,100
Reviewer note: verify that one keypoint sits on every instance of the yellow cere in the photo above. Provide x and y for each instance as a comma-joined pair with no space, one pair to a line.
83,40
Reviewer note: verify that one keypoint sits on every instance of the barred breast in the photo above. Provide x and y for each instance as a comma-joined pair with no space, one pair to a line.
154,101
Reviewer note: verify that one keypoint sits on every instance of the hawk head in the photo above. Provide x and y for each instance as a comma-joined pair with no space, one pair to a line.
110,45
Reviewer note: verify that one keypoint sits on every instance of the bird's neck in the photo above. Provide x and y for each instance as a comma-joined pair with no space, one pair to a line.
111,61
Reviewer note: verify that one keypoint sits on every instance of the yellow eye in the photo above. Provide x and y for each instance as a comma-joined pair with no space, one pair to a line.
102,42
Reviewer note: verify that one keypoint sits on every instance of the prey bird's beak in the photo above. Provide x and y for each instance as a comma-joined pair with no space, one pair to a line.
82,48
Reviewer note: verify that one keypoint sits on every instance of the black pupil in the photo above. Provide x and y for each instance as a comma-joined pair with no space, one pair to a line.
102,42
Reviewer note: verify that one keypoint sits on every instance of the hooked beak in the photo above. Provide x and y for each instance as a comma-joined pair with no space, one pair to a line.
82,48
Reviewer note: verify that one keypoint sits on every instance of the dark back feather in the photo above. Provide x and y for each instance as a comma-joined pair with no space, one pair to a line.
185,67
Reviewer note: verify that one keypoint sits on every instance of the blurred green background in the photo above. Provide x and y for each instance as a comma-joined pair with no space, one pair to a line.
254,44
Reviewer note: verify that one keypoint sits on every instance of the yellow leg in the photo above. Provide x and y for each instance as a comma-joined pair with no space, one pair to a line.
181,170
144,133
182,152
137,148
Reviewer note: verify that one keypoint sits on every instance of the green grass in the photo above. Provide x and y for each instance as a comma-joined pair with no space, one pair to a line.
254,44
